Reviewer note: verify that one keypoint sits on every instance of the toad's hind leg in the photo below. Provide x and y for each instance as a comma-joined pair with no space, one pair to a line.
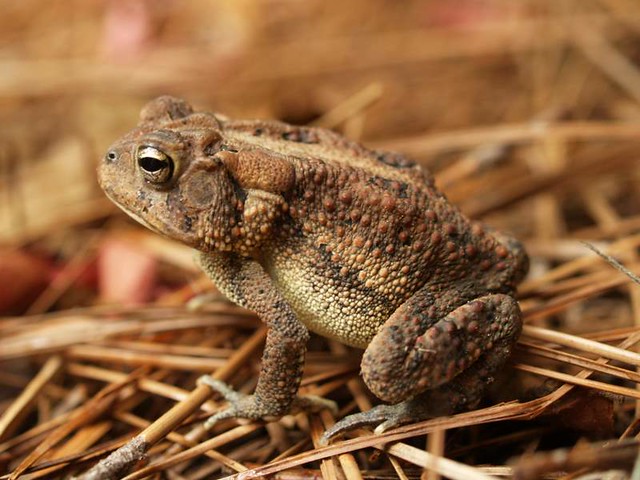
429,367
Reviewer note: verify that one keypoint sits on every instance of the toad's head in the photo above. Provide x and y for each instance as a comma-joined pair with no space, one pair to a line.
166,173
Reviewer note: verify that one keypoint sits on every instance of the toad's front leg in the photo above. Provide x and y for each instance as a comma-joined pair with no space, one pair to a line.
246,283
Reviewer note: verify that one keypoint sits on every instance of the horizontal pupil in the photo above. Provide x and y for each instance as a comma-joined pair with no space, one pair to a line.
151,164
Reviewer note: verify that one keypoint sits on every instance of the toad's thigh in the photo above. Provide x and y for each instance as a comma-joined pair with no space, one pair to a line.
422,347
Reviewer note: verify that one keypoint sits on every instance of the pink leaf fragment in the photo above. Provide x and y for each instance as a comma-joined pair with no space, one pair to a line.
127,274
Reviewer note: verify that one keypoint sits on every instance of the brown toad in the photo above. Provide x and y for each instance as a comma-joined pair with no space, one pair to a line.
315,232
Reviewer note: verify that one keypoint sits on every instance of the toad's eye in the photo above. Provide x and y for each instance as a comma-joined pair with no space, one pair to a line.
155,165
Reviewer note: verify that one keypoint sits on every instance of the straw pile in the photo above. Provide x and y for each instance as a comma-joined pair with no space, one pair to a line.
529,115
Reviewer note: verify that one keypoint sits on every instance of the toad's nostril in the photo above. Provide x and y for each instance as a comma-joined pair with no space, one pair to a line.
112,156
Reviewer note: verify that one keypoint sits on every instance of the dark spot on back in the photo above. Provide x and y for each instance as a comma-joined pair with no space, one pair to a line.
398,188
301,135
394,159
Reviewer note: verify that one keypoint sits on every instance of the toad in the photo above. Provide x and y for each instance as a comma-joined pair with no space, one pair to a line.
316,233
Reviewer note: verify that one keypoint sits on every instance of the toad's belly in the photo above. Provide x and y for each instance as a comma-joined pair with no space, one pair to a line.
349,315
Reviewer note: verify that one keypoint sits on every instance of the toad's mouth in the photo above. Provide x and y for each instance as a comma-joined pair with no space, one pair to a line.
135,216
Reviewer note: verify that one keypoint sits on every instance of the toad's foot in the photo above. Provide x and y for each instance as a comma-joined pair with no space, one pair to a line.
434,403
385,417
249,406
